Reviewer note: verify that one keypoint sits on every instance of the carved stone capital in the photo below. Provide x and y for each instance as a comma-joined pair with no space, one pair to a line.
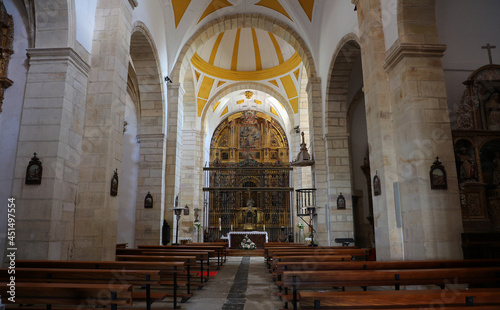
58,54
401,50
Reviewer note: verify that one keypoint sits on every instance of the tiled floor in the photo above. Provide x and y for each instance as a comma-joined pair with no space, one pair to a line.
225,291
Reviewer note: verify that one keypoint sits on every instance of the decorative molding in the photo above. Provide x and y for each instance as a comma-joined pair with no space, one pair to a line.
150,137
133,3
401,50
51,55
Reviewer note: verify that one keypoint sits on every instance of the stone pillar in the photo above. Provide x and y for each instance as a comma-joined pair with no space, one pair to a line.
339,182
96,214
408,126
431,218
173,152
191,179
383,157
317,150
52,126
149,220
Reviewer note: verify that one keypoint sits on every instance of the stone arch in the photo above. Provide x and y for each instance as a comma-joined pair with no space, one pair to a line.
336,104
143,53
217,26
54,22
242,85
150,108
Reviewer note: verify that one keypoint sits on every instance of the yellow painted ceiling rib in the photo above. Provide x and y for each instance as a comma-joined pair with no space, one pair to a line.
206,87
274,111
307,6
224,112
277,48
197,74
201,105
216,105
258,61
215,5
179,7
289,86
215,48
274,5
234,60
295,104
296,73
232,75
274,83
221,83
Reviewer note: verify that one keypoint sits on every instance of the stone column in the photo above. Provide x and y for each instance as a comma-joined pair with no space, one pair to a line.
52,126
96,214
148,221
432,220
191,179
383,157
173,152
317,150
339,182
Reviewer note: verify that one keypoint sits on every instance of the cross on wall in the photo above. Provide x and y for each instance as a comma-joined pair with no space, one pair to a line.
489,48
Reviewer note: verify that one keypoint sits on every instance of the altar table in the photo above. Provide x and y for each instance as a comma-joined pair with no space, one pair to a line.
258,237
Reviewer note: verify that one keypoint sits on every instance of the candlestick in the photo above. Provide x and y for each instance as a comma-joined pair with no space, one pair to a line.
264,227
231,227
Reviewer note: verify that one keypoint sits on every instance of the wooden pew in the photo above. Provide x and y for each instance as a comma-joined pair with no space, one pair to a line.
79,295
419,299
395,278
201,257
354,252
219,251
306,263
189,261
101,276
172,272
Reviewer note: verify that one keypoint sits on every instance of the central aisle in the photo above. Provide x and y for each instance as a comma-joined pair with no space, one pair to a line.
243,283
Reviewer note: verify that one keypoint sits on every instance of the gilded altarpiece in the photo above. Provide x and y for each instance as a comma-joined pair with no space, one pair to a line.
477,151
247,184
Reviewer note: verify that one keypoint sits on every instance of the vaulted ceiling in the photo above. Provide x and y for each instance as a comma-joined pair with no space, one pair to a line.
244,55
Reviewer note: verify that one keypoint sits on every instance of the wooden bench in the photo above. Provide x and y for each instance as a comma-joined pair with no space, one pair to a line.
306,263
216,251
395,278
434,299
189,261
353,252
202,257
172,273
79,295
94,276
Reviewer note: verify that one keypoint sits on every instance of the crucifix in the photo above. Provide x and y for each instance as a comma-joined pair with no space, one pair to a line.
489,47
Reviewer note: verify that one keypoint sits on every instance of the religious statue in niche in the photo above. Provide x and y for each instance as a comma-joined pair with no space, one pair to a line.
250,215
148,201
466,163
249,136
492,108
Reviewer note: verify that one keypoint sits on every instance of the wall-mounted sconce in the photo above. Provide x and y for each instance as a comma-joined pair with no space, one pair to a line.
148,201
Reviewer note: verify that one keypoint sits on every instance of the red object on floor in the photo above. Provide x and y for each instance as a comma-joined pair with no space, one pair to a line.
210,274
